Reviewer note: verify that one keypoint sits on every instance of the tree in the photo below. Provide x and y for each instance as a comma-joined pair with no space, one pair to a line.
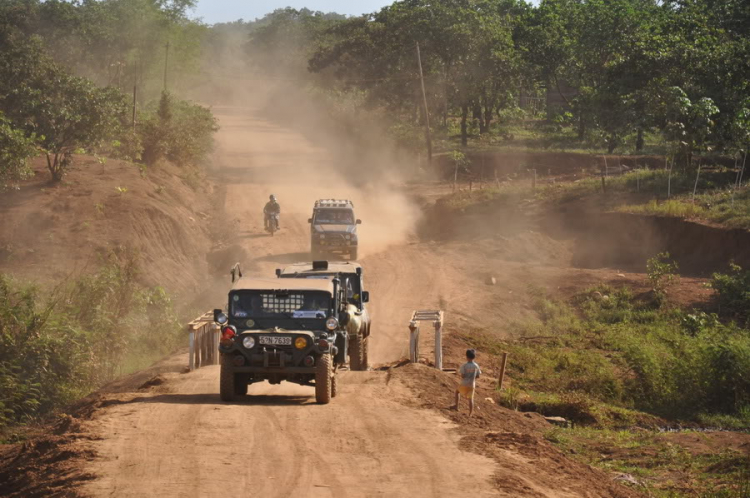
468,54
177,130
69,113
15,150
688,125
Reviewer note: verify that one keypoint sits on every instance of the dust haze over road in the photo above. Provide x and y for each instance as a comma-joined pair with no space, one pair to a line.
181,441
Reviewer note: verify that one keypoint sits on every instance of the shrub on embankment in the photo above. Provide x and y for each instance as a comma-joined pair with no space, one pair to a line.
609,346
56,347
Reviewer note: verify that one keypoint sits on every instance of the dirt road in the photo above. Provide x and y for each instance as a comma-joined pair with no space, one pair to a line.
182,441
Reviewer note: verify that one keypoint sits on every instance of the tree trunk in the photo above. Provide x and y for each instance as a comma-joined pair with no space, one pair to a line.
639,140
57,164
477,112
464,130
581,127
53,164
487,117
611,146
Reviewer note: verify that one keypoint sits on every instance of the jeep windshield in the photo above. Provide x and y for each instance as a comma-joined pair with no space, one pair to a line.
334,217
267,305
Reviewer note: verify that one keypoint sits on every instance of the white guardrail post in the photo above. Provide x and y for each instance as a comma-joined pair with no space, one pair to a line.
414,342
191,355
215,343
203,337
437,319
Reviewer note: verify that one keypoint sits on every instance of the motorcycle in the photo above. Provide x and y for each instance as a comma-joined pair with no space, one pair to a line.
272,223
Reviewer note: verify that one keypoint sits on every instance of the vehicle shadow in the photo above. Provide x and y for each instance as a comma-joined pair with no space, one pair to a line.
256,235
290,257
213,399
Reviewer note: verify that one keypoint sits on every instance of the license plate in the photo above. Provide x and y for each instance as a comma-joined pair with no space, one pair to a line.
272,340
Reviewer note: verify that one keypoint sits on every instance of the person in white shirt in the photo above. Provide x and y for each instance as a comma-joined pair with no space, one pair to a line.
469,373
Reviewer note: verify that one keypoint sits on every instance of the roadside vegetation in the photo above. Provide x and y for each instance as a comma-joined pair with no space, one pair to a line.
623,368
57,346
715,197
662,464
638,353
67,89
560,74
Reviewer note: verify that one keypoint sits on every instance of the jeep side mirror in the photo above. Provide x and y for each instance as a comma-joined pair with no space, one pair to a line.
278,272
365,296
220,317
359,222
309,220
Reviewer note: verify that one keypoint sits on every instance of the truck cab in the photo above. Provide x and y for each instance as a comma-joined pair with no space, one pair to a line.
351,277
333,229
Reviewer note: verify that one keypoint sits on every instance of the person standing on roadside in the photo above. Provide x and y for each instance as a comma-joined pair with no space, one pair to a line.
469,373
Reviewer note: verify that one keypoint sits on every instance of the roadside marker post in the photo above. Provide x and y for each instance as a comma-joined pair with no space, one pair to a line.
503,364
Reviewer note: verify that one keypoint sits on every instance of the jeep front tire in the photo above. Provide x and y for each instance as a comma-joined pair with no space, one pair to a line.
227,379
324,380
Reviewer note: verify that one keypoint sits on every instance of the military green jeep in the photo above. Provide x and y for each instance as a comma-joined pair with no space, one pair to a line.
350,274
288,330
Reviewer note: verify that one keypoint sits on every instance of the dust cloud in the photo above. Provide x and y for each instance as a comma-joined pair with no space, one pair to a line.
347,153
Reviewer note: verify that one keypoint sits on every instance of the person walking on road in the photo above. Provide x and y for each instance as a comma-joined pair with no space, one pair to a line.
469,373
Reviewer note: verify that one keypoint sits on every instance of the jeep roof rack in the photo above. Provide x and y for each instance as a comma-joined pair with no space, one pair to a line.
334,203
320,265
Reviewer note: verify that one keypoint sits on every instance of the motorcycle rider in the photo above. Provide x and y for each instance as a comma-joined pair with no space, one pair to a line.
272,207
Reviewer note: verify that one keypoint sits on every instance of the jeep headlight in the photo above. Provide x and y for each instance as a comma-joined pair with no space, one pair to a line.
322,235
348,237
248,342
332,323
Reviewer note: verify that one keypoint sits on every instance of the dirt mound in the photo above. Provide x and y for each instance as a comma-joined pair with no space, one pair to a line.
558,164
628,240
50,464
528,465
50,232
580,236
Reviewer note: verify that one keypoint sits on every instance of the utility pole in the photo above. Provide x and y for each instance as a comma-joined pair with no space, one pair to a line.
135,91
426,112
166,65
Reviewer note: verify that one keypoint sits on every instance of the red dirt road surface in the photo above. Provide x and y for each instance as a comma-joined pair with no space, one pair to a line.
278,442
165,433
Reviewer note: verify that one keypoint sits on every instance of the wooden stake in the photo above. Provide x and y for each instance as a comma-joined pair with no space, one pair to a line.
503,363
697,176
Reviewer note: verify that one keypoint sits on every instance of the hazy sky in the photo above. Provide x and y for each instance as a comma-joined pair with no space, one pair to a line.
213,11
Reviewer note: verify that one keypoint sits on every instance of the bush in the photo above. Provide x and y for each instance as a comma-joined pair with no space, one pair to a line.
661,273
615,349
15,149
57,348
733,291
177,130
